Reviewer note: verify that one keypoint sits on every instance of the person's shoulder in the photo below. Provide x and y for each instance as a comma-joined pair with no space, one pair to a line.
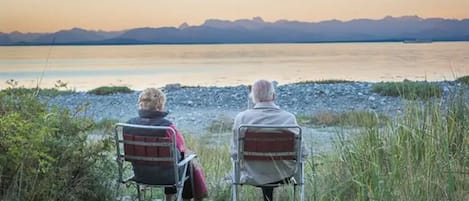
134,120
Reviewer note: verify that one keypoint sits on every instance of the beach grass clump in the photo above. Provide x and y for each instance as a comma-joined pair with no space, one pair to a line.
221,124
108,90
349,118
463,79
328,81
423,155
411,90
48,92
45,154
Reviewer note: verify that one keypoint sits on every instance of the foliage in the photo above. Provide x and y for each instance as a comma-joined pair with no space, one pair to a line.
408,89
220,125
45,155
463,79
424,155
21,91
107,90
351,118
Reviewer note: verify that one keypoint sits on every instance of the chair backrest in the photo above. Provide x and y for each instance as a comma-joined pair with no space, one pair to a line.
269,145
150,149
267,142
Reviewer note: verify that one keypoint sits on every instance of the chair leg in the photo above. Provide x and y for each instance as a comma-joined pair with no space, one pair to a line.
139,195
235,192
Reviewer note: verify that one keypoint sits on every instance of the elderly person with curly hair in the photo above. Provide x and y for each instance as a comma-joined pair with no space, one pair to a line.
151,112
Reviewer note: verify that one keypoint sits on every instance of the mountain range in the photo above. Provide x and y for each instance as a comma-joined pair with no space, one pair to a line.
256,30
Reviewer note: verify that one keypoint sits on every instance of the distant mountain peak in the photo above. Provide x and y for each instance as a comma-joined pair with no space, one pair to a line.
183,26
256,30
405,17
257,19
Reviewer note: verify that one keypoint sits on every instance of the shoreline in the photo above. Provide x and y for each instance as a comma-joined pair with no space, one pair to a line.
196,108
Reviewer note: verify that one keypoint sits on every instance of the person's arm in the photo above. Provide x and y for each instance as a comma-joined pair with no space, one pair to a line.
179,139
234,139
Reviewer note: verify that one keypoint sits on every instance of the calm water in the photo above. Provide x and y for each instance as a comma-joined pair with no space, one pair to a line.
139,66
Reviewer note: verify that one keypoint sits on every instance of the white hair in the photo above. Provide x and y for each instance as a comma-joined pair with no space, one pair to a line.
262,91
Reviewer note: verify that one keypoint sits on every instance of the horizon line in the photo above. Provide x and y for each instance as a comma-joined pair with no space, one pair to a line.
252,19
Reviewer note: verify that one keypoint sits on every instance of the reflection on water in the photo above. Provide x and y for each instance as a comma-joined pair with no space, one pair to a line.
139,66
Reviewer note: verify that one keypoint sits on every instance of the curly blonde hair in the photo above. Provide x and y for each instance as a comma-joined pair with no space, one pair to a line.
151,99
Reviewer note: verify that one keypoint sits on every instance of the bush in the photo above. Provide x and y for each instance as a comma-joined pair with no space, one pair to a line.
108,90
463,79
45,155
408,89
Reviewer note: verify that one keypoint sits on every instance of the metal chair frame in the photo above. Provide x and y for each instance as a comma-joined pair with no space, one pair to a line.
240,157
122,158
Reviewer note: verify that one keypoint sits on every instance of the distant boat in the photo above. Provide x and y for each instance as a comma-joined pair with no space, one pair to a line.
417,41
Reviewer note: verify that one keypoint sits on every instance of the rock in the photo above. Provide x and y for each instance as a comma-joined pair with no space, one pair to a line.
371,98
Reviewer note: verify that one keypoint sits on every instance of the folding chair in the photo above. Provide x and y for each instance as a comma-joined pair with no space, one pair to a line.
154,157
269,143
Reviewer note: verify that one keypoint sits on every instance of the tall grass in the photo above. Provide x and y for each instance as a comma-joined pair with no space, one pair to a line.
422,155
408,89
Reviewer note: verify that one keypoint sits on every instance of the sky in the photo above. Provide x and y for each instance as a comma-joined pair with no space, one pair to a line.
113,15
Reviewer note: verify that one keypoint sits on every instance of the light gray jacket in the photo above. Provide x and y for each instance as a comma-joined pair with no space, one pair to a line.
263,172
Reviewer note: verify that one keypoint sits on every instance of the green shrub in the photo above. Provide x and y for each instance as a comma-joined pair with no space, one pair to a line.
408,89
107,90
45,155
463,79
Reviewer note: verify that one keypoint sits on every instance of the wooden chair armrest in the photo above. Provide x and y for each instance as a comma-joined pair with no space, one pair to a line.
186,160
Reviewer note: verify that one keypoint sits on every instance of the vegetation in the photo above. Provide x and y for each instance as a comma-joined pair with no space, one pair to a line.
221,125
351,118
331,81
108,90
422,155
408,89
463,79
45,154
52,92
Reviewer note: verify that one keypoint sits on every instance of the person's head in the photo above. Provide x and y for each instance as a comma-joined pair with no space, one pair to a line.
262,91
151,99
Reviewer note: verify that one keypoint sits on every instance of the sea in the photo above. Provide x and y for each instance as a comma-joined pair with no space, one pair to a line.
139,66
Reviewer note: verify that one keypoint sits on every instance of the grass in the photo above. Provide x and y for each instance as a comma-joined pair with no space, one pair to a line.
422,155
108,90
411,90
21,91
350,118
221,124
330,81
463,79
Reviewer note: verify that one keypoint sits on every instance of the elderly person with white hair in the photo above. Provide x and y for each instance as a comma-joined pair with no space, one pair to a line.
264,112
